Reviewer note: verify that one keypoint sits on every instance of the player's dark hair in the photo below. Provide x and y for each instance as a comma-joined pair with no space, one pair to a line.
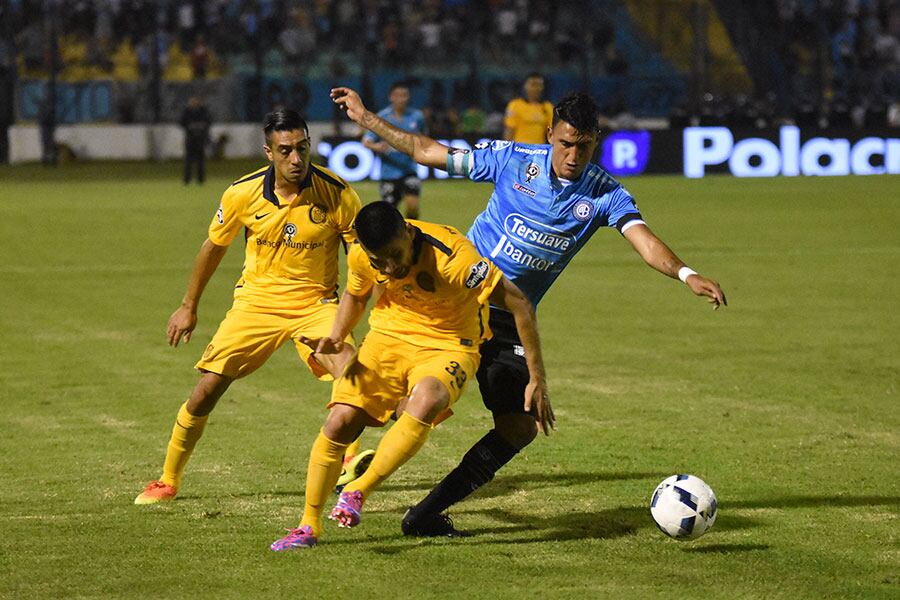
533,74
578,110
284,119
377,224
400,83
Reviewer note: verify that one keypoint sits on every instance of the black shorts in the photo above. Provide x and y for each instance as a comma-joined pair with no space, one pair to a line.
503,372
393,191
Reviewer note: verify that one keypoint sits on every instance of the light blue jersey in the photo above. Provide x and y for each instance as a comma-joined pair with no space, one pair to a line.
394,164
534,223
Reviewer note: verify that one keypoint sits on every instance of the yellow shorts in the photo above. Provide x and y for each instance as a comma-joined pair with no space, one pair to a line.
386,369
246,339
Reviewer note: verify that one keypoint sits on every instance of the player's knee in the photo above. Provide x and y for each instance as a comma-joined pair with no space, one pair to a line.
517,429
206,393
428,398
344,423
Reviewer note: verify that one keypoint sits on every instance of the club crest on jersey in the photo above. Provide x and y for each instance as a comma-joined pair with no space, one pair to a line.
220,214
532,171
290,230
317,214
583,210
477,274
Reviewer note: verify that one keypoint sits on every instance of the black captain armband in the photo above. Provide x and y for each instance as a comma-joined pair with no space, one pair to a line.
458,161
629,220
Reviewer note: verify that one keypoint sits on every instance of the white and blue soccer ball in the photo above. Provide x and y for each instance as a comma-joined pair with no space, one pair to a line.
683,507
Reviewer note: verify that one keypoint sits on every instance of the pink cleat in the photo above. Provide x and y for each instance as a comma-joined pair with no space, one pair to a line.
346,511
302,537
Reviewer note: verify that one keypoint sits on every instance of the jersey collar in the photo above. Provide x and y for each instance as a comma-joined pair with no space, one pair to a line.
418,240
269,184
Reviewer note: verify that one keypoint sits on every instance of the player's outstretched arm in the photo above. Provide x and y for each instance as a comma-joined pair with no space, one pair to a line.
508,295
659,256
421,148
184,319
349,313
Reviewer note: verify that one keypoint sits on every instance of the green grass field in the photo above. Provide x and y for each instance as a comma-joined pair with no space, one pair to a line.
786,402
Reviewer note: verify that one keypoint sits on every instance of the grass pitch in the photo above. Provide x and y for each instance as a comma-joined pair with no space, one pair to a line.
786,403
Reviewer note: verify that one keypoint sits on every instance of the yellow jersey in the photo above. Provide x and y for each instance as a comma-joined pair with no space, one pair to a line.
442,302
291,248
528,120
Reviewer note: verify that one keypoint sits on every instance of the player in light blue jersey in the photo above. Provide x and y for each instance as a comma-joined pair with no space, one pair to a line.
399,178
548,200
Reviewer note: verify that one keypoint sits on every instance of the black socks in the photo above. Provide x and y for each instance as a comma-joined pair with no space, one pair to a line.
477,467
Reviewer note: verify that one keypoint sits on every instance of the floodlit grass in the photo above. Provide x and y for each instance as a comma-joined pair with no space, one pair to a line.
786,403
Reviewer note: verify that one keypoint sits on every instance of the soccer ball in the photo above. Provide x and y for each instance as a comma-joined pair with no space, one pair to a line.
683,507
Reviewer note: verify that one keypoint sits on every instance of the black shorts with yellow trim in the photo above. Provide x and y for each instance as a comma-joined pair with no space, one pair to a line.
503,373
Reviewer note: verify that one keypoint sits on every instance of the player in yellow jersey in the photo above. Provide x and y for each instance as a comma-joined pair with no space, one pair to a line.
296,216
528,118
424,333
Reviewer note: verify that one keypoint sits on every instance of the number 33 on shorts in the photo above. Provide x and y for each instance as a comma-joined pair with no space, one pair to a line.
458,373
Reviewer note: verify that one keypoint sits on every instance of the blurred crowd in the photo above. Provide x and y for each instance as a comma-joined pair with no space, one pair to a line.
831,60
115,37
842,57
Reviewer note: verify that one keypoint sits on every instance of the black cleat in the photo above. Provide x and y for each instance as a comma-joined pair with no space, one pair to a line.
430,526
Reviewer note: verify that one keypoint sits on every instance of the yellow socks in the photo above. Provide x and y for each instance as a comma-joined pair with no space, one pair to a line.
397,446
325,462
185,433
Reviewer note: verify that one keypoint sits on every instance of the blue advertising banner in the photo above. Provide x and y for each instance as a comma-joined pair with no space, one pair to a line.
693,151
84,102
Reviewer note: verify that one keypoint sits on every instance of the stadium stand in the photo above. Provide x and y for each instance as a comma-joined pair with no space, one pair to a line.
778,59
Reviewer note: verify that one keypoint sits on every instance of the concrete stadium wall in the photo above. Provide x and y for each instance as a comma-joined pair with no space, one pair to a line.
142,142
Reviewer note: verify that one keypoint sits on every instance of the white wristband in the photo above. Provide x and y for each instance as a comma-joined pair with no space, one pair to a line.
685,272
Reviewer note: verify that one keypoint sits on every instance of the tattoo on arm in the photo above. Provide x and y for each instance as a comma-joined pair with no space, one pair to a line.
401,140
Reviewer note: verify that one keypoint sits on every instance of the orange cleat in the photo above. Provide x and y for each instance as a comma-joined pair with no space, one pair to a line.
155,492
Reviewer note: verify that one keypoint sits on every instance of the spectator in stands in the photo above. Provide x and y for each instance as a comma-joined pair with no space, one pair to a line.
200,58
506,27
187,20
298,40
195,120
391,48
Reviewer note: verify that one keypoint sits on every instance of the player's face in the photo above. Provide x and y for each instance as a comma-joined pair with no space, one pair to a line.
534,89
399,98
394,259
289,152
572,150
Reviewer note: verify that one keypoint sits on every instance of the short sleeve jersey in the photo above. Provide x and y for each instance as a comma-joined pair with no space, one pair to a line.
534,224
395,164
442,302
528,120
291,248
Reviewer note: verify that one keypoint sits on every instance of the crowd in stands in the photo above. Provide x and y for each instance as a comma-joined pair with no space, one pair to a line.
842,58
842,54
114,38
